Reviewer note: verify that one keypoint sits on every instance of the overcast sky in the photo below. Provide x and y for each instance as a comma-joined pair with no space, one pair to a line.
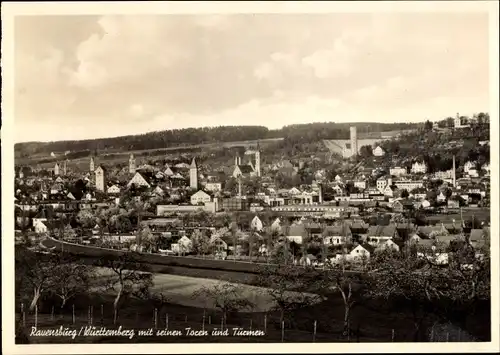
97,76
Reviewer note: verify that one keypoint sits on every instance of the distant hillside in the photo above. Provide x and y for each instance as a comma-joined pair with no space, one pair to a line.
293,134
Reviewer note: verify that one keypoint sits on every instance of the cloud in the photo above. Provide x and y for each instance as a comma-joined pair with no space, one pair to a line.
168,71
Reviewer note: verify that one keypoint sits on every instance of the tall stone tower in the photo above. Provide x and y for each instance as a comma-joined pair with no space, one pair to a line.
193,175
354,142
100,179
56,169
257,160
454,173
131,164
65,167
457,122
92,164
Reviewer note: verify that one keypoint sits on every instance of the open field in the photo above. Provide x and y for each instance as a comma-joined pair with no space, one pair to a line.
179,290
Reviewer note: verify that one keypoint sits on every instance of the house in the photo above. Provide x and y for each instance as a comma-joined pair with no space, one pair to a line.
425,204
200,197
276,225
361,252
453,203
381,183
469,165
39,225
168,171
419,168
389,191
441,197
360,184
213,186
217,243
388,245
296,233
397,206
256,224
158,191
113,190
378,152
432,231
397,171
138,180
377,235
337,235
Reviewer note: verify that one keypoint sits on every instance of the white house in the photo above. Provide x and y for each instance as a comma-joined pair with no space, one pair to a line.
168,172
360,184
200,197
256,224
378,152
276,225
397,171
441,197
426,204
468,166
112,190
417,168
213,186
361,252
158,191
138,180
39,225
388,191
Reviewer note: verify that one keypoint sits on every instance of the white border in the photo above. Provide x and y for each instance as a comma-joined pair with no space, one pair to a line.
9,10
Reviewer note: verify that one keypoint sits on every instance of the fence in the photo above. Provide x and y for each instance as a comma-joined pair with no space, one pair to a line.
271,327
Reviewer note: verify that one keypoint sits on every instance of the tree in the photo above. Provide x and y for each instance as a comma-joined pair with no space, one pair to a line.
405,193
428,125
71,277
200,242
286,285
86,219
146,239
366,151
337,279
225,297
430,288
34,273
128,277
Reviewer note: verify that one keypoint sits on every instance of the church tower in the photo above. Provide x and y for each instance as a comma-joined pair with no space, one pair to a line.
92,164
257,160
100,179
193,175
457,122
131,164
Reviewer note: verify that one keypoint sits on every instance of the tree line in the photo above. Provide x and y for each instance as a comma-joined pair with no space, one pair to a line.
191,136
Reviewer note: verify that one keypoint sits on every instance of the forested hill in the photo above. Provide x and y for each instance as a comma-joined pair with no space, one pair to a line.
301,133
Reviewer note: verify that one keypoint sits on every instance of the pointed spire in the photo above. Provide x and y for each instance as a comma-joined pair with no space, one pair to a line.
193,164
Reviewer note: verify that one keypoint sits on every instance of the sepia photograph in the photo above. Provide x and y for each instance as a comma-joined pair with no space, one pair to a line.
256,176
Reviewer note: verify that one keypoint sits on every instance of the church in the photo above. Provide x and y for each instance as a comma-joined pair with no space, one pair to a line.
251,168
